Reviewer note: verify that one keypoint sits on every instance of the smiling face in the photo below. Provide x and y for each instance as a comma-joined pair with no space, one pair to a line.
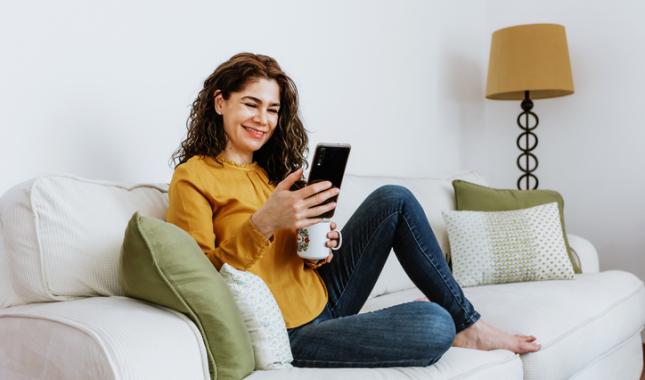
250,116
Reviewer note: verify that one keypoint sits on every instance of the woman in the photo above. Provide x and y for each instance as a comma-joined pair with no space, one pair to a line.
232,190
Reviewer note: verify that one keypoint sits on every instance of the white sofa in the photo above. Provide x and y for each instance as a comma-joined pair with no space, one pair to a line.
63,316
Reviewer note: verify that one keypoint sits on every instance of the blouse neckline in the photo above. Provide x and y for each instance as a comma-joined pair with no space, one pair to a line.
248,166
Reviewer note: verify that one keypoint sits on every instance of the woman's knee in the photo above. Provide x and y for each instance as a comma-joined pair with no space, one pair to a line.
393,193
438,329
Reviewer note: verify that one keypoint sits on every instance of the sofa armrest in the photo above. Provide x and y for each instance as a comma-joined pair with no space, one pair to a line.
99,338
587,255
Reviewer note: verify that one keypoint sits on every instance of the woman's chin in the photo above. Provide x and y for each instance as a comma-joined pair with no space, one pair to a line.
254,146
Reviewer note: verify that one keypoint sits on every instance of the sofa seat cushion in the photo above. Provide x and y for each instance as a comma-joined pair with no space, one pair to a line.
576,321
99,338
457,363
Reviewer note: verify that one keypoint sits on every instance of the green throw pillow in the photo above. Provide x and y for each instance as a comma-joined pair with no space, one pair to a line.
473,197
162,264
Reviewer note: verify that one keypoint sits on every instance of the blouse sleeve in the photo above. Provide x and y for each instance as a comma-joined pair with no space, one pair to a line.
190,209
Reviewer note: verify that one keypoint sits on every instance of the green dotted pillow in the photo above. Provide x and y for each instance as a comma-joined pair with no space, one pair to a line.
507,246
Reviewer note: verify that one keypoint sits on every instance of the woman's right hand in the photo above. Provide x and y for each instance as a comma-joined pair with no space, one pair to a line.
294,209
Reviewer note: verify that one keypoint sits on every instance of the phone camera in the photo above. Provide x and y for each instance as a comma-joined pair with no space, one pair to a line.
321,157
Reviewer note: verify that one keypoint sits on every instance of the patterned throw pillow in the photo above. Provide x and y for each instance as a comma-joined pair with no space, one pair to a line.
507,246
262,317
473,197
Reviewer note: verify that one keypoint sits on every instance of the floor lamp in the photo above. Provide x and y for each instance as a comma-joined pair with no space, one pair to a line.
528,62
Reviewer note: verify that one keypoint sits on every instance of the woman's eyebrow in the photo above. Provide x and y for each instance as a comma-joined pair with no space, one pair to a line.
260,101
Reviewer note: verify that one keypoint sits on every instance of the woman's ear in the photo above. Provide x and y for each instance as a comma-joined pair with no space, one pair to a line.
218,101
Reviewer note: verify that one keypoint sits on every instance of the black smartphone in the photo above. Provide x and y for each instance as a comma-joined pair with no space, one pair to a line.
329,164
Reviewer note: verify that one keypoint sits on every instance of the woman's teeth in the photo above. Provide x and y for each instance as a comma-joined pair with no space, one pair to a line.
254,132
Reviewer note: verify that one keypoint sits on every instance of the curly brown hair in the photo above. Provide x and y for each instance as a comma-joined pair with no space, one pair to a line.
283,153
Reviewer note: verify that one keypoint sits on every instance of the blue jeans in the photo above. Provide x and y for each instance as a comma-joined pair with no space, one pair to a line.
410,334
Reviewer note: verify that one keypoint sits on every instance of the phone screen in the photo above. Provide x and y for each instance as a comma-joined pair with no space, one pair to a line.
329,164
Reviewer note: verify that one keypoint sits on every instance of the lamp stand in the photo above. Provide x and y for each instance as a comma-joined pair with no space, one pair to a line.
527,141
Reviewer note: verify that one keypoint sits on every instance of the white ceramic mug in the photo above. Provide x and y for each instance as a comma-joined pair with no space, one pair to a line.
311,241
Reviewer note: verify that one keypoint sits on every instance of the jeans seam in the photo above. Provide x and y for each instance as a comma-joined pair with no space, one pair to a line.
361,258
468,316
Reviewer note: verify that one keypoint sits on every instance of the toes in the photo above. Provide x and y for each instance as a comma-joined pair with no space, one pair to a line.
530,347
536,347
526,344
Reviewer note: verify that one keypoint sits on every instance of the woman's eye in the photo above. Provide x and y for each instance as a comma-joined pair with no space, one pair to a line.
271,110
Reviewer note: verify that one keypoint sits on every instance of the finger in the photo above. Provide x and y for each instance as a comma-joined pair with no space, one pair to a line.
333,235
286,183
320,197
328,259
313,188
332,226
319,210
331,243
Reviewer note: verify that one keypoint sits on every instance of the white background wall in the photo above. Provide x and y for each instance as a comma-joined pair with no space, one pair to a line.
102,90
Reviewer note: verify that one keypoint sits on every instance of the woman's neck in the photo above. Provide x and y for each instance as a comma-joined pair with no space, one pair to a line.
236,157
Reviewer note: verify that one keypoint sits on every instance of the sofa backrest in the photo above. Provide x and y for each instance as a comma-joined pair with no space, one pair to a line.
434,195
63,234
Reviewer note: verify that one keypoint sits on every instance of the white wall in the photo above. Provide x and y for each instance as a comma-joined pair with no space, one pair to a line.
102,89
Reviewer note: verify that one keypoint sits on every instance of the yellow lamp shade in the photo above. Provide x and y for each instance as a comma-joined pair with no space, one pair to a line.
531,58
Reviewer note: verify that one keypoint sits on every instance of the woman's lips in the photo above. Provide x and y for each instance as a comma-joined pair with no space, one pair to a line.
254,133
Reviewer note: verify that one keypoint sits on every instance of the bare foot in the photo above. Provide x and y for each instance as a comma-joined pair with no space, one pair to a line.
482,336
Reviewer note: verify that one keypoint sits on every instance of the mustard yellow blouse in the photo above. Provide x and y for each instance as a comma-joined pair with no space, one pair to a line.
214,202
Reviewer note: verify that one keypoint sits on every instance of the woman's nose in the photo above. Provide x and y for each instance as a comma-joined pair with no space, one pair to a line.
261,116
